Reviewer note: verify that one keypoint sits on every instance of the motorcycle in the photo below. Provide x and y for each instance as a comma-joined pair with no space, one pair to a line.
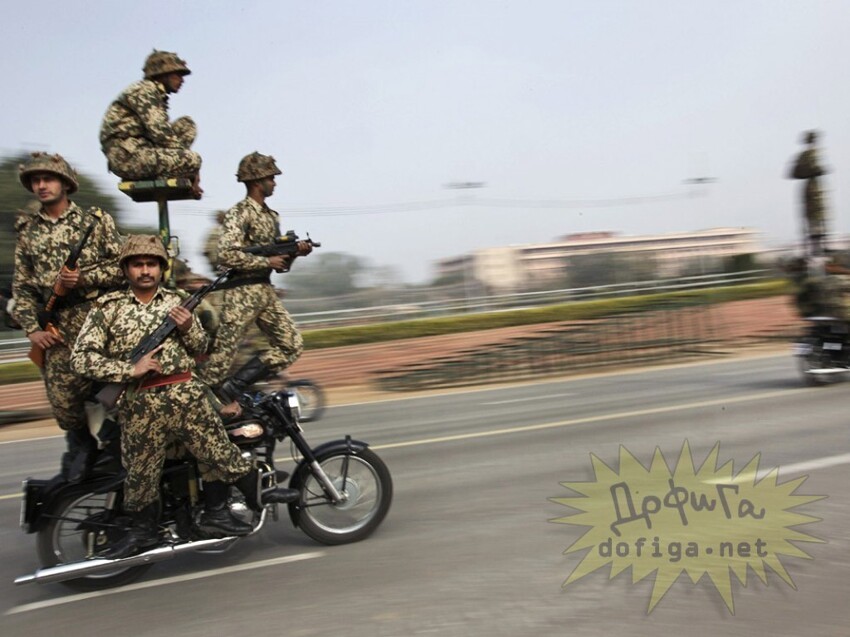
823,352
345,493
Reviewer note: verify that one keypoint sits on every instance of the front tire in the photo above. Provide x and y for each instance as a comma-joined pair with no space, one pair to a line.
80,524
363,477
811,361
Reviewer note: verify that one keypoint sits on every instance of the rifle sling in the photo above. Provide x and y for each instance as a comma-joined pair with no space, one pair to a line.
252,280
65,302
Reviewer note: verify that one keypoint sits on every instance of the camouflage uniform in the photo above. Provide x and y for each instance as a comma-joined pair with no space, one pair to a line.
807,167
140,142
253,340
41,250
151,418
253,298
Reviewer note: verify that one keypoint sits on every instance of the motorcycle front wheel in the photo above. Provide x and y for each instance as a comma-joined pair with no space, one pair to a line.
809,362
311,398
362,478
80,524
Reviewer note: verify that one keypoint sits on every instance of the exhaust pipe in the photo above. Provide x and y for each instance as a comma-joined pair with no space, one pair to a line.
74,570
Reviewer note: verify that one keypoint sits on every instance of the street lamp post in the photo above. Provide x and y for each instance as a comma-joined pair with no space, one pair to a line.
467,259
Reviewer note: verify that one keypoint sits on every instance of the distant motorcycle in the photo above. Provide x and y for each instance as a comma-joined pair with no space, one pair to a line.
823,352
345,493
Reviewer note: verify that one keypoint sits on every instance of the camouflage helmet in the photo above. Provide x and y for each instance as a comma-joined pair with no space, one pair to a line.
162,62
256,166
143,245
44,163
184,276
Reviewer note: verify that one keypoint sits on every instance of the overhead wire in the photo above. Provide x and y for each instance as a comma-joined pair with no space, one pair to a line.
466,201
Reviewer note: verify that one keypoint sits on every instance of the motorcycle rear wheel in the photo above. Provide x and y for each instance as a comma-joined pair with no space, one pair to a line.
365,480
65,539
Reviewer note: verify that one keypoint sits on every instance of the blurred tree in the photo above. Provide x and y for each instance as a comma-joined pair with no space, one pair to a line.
607,268
324,274
14,198
697,266
740,263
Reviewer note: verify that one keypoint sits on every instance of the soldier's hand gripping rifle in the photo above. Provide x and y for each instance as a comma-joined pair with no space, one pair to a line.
111,392
285,245
47,317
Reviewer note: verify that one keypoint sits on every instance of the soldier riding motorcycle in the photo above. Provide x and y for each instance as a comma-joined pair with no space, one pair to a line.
823,350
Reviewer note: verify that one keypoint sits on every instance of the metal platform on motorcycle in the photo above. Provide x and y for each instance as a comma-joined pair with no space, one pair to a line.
162,189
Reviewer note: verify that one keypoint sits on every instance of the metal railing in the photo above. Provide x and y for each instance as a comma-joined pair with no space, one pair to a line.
515,300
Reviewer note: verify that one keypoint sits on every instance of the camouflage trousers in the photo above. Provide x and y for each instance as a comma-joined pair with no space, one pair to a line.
137,158
152,419
66,390
242,306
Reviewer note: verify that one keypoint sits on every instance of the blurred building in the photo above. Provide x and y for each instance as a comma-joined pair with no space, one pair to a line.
531,265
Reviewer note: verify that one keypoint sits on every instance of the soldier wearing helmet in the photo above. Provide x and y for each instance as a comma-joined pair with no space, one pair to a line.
807,167
167,403
44,241
136,135
249,297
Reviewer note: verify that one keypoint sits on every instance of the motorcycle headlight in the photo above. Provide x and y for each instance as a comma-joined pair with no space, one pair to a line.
294,405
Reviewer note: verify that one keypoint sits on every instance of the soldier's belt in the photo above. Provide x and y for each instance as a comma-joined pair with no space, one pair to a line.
251,280
170,379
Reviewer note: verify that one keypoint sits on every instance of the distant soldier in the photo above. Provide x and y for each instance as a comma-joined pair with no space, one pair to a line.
211,242
45,239
808,168
248,296
136,135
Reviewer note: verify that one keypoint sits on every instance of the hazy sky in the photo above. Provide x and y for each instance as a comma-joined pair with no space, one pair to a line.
370,103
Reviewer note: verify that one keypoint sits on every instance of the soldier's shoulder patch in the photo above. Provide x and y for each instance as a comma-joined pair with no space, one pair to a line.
113,295
178,292
22,221
94,211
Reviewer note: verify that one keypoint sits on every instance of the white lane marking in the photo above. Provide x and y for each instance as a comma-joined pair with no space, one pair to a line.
579,421
797,467
717,402
818,463
529,398
9,442
162,582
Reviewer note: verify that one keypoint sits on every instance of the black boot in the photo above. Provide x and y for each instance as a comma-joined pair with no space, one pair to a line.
143,535
80,457
251,372
217,520
256,497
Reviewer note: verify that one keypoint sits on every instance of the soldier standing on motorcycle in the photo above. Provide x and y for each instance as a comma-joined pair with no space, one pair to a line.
807,167
164,402
249,296
136,135
44,241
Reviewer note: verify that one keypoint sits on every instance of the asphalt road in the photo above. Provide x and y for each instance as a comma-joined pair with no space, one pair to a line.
468,547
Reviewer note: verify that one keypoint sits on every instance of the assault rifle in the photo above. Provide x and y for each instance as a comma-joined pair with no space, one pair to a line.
111,392
47,317
286,245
